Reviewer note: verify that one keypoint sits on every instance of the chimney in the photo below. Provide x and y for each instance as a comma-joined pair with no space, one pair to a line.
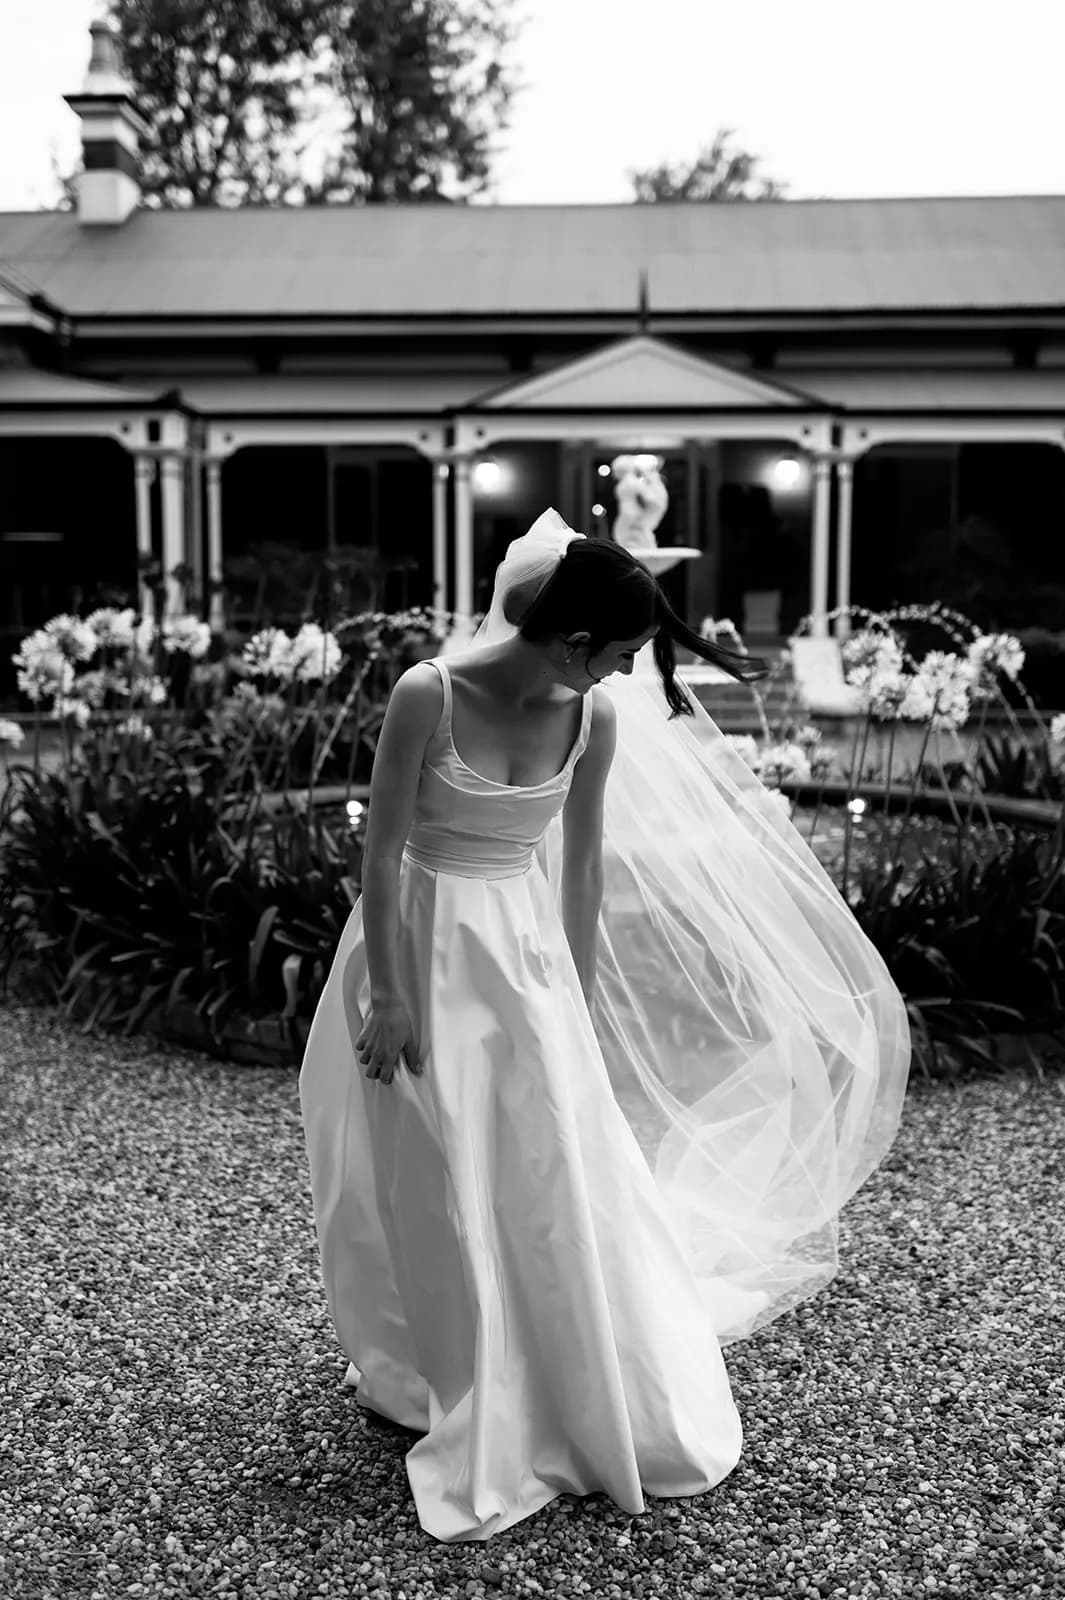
108,188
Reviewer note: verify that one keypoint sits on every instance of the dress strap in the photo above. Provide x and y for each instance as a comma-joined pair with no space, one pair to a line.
445,682
587,712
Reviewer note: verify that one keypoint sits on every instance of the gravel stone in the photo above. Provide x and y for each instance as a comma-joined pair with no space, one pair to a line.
173,1419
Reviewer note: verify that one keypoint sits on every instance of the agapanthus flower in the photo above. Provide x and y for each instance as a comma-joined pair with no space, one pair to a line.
887,695
870,654
94,687
991,654
113,628
822,760
268,654
11,733
42,669
148,687
784,763
78,710
940,690
315,654
75,638
136,726
188,634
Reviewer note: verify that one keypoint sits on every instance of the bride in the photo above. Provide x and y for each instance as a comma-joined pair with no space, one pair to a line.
601,1055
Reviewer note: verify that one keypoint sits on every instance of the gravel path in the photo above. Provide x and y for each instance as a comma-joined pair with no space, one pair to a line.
173,1421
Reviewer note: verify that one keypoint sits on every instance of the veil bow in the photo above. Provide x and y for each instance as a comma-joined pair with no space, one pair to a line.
754,1038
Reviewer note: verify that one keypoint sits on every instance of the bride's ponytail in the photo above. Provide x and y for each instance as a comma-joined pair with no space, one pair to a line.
673,630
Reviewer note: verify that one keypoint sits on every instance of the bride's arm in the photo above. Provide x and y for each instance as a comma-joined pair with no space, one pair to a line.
412,714
582,854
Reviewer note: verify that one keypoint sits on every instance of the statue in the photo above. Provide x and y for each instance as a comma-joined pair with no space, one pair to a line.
642,500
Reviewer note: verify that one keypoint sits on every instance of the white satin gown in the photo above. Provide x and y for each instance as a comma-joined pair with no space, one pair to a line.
496,1254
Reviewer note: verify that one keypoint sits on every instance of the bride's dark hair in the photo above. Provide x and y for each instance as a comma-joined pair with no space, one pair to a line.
602,589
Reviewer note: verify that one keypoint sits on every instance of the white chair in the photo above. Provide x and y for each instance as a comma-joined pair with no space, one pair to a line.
817,668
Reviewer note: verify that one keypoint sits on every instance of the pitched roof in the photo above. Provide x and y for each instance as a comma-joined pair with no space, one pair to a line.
774,257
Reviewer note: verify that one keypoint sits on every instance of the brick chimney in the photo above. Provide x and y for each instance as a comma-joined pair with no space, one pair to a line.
108,188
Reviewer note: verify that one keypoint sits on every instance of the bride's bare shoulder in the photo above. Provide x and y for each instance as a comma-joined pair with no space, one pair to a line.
418,695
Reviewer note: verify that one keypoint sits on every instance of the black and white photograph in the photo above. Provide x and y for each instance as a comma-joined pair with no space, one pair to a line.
532,800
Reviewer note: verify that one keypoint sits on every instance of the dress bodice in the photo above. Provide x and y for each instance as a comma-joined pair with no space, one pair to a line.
473,826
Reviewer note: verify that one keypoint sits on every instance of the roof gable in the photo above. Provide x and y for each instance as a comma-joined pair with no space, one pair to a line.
640,372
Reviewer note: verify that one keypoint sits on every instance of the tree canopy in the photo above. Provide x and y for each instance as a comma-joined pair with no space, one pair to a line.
404,97
720,171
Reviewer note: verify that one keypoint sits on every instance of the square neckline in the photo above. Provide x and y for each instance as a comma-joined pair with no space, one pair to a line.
497,783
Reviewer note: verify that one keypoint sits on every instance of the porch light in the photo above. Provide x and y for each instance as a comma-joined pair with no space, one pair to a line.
603,470
856,807
488,476
786,473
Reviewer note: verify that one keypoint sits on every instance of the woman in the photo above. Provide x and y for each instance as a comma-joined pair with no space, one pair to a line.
506,1272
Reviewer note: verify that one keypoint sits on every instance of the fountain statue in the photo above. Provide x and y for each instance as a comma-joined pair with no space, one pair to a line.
642,500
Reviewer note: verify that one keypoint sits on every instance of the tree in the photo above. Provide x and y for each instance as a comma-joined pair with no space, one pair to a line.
219,82
236,90
717,173
425,90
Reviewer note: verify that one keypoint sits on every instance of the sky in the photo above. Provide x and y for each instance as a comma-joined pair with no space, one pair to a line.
839,98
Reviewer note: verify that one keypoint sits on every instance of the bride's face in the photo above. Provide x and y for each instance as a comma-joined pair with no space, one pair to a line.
586,668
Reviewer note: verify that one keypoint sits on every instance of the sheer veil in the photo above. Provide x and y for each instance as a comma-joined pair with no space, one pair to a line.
753,1035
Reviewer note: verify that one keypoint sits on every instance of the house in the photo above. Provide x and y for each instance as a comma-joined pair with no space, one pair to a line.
836,388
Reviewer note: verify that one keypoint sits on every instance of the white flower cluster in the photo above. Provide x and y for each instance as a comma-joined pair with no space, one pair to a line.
313,656
940,690
11,733
795,760
48,661
991,654
870,655
186,634
1057,729
114,629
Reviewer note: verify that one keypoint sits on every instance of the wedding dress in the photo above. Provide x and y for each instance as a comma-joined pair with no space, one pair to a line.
501,1266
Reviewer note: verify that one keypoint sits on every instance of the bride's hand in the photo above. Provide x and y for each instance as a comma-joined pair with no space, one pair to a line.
387,1036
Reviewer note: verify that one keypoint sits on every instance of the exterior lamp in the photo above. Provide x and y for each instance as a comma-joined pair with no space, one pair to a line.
488,476
786,474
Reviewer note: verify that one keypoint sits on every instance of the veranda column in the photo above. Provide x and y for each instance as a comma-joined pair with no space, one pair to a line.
194,520
819,551
463,536
216,600
172,463
143,474
440,477
845,502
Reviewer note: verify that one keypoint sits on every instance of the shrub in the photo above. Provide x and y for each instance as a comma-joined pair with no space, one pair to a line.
135,877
